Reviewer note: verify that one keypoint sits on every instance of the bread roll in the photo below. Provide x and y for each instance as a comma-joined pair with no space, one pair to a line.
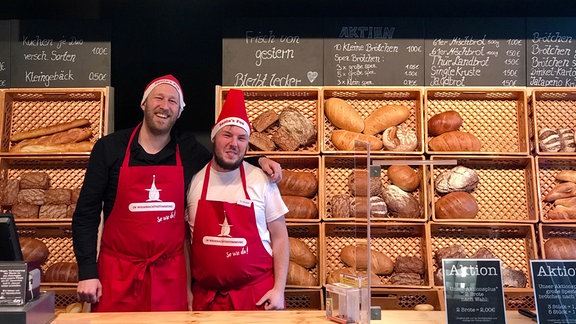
385,117
560,248
443,122
298,183
358,183
404,177
424,307
459,178
34,250
566,175
300,207
37,132
34,180
299,276
400,203
456,205
62,272
455,141
561,190
343,115
344,140
400,139
301,254
357,257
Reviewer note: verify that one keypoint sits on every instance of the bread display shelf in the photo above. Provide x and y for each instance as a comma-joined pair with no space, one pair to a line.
391,239
553,108
406,299
365,100
310,235
304,299
547,167
549,231
336,170
29,109
506,190
258,100
498,117
64,172
56,236
514,244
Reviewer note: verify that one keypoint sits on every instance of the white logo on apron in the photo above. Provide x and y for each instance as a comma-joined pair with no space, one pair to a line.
153,203
224,238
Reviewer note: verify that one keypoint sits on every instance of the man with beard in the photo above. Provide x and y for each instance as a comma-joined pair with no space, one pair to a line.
137,178
239,244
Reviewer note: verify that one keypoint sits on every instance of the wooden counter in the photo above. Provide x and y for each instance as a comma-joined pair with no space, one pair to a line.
255,317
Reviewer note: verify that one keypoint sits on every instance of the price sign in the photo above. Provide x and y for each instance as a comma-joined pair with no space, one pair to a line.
554,290
13,279
473,291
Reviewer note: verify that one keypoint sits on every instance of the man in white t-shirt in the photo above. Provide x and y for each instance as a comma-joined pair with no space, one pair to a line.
239,240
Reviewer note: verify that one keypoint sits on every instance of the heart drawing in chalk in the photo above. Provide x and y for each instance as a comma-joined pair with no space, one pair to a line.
312,76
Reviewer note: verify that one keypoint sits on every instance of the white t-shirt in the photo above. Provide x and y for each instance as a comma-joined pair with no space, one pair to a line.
227,187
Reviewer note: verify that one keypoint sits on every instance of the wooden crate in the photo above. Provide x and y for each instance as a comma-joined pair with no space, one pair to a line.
392,239
546,168
366,100
498,117
304,299
64,172
337,169
506,190
309,234
304,163
29,108
261,99
405,299
514,244
552,108
548,231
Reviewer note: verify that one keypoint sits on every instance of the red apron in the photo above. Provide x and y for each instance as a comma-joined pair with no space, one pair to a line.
141,262
231,268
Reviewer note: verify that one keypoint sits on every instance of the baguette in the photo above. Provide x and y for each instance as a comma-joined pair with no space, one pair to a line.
47,130
84,146
344,140
70,136
298,183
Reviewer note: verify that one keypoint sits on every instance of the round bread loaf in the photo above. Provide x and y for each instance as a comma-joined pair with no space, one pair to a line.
400,203
343,115
359,206
34,250
400,138
459,178
404,177
443,122
456,205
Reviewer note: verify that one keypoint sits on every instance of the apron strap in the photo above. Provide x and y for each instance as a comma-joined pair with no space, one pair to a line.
127,155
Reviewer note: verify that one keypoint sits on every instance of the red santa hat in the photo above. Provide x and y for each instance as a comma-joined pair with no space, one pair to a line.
233,113
166,79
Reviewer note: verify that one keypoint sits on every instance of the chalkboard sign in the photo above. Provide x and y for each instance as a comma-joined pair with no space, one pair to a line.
55,54
374,52
475,52
551,52
280,52
4,54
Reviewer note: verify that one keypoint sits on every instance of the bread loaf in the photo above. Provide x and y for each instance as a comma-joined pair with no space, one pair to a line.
455,141
567,143
9,192
358,183
400,139
513,278
561,190
53,211
62,272
406,279
37,132
549,140
456,205
57,196
284,139
400,203
344,140
560,248
357,258
34,250
566,202
84,146
298,183
69,136
301,128
299,276
343,115
404,177
34,180
23,210
443,122
385,117
300,253
261,142
409,264
455,251
483,253
340,206
359,207
265,120
300,207
459,178
566,175
75,194
335,275
70,210
31,196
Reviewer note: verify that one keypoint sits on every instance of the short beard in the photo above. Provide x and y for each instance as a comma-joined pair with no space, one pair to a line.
225,165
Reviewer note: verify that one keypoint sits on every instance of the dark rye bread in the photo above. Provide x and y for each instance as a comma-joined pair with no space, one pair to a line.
261,142
284,139
300,127
265,120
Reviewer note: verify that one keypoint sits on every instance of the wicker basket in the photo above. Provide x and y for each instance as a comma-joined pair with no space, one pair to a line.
27,109
392,239
259,100
310,235
548,231
337,169
514,244
366,100
304,299
552,108
405,299
547,167
64,172
305,163
506,190
498,117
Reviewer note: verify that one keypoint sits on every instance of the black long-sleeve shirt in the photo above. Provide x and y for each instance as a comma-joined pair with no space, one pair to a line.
101,183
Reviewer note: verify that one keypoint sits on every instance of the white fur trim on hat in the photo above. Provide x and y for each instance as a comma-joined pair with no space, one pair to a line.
168,79
230,121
